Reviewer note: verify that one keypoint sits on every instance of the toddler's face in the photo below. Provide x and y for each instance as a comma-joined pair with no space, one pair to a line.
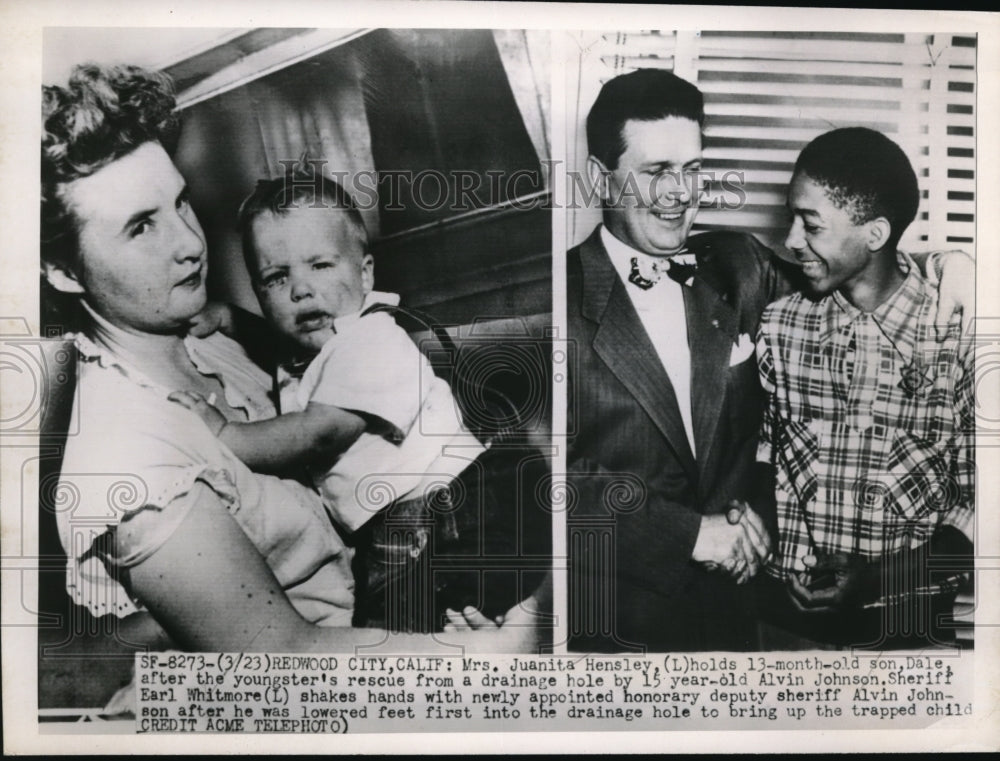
311,269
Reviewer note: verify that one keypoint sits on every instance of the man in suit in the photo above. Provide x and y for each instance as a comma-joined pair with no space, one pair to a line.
663,436
664,402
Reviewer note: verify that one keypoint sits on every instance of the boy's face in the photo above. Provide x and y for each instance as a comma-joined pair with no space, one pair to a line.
311,269
832,251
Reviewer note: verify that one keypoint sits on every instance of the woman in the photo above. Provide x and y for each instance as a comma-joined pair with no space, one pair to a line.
224,559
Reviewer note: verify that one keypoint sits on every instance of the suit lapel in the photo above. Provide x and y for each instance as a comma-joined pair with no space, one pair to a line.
622,344
712,327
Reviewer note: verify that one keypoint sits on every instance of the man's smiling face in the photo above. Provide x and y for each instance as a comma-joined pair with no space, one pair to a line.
651,198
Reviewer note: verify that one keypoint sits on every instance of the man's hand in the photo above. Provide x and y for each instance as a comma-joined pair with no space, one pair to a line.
215,316
956,290
201,407
736,542
833,582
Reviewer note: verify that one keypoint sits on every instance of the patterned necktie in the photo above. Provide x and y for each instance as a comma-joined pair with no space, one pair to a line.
680,268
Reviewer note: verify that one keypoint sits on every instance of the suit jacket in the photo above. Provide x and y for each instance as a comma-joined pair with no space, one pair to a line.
638,492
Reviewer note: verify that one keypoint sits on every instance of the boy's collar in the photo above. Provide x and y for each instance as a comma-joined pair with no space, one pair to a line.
894,316
371,298
295,365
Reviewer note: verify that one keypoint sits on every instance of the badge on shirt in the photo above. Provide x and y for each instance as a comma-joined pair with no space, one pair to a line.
915,379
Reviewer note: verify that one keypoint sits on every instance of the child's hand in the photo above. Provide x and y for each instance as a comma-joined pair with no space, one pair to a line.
200,406
215,316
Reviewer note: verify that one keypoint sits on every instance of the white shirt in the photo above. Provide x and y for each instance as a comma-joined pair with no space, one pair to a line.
135,458
372,366
661,312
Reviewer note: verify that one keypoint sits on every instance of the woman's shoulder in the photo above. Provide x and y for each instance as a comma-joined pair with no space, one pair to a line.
217,354
122,423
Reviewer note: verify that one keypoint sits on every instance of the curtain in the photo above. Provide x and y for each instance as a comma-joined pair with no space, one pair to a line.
527,62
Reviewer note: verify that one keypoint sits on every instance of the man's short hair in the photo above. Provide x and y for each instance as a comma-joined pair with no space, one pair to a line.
101,115
643,95
865,174
298,189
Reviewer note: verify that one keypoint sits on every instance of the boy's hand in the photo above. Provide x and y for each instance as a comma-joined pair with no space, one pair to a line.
215,316
956,290
832,582
736,542
200,406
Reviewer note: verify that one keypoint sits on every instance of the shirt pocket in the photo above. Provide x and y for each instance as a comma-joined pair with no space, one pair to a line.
798,453
920,481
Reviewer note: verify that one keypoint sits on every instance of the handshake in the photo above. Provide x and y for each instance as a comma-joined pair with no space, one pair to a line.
735,543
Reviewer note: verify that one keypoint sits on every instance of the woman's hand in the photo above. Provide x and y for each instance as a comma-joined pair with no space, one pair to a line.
210,589
201,407
470,619
517,631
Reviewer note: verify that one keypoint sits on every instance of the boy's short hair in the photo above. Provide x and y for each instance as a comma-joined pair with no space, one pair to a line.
644,95
298,189
865,174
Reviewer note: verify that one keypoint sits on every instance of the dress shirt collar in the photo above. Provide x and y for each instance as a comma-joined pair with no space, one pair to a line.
621,255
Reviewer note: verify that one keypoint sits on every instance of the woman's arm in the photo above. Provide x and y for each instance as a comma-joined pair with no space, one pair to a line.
314,436
211,590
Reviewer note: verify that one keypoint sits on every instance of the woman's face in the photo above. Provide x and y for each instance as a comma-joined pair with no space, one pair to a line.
141,262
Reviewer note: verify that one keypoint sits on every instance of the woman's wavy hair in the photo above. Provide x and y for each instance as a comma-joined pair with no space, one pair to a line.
101,115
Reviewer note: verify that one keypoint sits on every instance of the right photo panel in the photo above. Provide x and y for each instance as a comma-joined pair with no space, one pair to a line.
770,410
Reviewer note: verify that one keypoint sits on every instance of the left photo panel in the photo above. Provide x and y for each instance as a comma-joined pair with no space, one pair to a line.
296,303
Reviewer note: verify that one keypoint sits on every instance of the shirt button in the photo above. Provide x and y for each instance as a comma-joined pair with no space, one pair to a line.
864,420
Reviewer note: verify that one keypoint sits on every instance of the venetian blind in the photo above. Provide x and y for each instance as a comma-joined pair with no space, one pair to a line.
767,94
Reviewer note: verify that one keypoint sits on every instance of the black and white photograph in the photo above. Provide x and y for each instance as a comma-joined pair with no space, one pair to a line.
281,209
498,377
771,428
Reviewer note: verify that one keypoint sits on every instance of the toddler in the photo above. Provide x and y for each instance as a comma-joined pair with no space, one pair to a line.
438,520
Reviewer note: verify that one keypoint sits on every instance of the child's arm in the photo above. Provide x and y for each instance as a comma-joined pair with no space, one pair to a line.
311,437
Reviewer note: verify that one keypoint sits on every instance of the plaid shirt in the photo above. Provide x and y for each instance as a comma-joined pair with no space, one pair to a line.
869,424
